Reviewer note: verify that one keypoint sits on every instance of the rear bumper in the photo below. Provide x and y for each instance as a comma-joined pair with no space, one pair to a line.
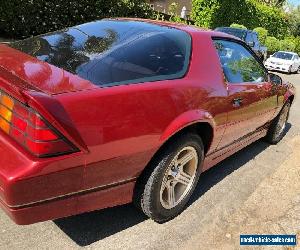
27,180
34,190
71,205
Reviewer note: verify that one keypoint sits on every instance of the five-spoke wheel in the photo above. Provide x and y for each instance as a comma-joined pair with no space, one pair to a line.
179,177
164,189
277,128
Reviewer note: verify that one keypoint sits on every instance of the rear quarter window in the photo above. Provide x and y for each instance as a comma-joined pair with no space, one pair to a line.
113,52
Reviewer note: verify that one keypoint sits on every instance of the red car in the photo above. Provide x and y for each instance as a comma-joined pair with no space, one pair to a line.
123,110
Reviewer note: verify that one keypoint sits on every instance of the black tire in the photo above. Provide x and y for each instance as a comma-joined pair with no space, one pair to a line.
290,70
148,189
277,129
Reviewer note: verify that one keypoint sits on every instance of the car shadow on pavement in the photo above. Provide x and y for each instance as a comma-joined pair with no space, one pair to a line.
220,171
217,173
87,228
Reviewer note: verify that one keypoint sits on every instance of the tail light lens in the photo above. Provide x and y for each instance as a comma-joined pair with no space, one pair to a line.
29,129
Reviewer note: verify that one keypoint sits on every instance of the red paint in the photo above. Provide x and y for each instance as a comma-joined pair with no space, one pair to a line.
118,129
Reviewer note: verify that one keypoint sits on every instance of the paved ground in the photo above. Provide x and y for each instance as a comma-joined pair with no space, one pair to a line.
255,191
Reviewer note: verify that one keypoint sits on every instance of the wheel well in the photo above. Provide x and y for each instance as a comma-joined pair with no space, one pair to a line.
203,129
291,98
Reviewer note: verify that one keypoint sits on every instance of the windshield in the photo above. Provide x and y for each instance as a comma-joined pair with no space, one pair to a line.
234,32
111,52
283,55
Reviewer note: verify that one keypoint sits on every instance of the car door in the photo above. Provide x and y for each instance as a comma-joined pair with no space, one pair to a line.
252,99
296,62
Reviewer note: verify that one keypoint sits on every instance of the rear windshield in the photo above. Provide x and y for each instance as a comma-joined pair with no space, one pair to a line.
234,32
112,52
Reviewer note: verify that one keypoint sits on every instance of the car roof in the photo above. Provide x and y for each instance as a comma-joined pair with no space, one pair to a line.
235,28
191,29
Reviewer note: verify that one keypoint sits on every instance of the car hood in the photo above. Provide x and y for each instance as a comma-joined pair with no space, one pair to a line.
38,75
279,60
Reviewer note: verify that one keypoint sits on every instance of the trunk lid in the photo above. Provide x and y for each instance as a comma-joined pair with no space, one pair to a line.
21,72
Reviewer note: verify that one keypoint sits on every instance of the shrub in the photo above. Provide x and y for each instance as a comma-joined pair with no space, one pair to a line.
273,19
250,13
297,44
240,26
287,44
203,12
262,35
22,18
272,43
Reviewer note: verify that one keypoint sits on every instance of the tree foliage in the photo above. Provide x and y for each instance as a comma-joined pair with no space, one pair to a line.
294,20
236,25
274,3
250,13
272,44
22,18
262,34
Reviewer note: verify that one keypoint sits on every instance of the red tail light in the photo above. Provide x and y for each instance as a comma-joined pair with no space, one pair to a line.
29,129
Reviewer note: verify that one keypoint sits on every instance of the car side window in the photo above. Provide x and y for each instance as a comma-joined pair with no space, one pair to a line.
239,64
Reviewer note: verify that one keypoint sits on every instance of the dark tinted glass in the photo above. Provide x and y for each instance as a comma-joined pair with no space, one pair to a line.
110,52
239,65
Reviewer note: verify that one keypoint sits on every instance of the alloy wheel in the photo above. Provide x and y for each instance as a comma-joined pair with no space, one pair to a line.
179,177
282,120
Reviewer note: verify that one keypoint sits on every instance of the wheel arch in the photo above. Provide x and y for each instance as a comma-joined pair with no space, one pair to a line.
198,122
195,121
291,99
203,128
289,96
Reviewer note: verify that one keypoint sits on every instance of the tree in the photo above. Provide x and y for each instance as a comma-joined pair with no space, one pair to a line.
44,16
262,34
294,20
287,44
297,44
203,12
274,3
249,13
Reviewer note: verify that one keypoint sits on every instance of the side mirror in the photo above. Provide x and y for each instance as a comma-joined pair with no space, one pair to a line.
276,79
271,55
251,44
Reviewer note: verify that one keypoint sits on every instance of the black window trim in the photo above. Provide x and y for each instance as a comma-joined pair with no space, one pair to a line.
247,47
179,75
152,79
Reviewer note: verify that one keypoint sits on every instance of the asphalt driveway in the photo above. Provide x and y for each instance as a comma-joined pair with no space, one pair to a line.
254,191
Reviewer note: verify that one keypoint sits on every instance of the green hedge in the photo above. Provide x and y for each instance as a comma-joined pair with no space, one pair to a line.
250,13
23,18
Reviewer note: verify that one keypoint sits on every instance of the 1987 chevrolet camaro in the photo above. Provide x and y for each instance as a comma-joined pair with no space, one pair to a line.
123,110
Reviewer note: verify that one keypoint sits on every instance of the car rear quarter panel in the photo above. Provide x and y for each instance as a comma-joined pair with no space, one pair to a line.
123,126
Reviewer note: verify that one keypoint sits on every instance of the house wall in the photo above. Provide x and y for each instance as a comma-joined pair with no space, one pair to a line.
163,5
